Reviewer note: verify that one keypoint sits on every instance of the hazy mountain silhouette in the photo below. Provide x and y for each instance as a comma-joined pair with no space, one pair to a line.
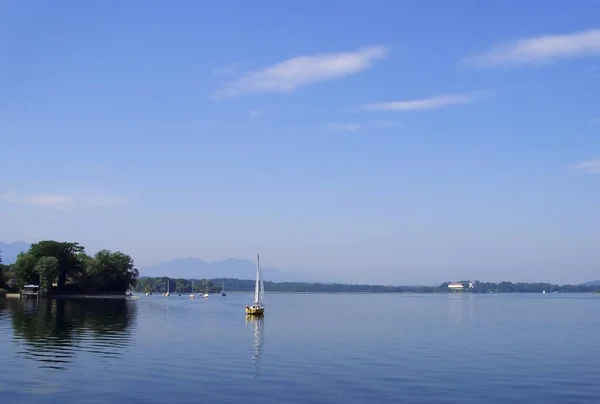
11,250
592,283
230,268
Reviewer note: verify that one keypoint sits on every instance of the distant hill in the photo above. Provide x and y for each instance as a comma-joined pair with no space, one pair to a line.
230,268
11,250
592,283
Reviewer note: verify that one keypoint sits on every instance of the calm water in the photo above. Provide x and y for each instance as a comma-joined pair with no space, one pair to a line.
309,348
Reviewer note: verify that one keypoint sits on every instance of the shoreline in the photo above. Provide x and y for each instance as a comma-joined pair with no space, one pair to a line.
74,296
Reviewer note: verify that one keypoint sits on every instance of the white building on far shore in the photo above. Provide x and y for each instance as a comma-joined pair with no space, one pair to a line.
456,286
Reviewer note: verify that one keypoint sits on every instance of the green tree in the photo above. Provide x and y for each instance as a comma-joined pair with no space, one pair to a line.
69,266
2,272
112,271
179,286
85,278
47,270
24,269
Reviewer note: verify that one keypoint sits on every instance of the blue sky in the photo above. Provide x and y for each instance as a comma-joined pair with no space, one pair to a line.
386,141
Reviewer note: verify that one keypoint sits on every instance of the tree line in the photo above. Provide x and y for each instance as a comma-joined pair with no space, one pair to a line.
176,285
522,287
149,284
65,267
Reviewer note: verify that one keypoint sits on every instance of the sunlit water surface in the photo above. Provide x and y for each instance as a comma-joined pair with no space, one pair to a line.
308,348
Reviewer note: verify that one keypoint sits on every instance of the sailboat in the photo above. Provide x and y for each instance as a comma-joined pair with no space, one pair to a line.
205,295
223,289
192,295
257,307
168,288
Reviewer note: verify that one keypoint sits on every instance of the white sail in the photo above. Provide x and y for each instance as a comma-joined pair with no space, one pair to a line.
257,285
262,288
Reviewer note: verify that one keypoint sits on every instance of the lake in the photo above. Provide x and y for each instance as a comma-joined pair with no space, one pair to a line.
308,348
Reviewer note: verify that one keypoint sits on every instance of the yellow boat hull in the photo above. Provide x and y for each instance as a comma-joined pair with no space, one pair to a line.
256,311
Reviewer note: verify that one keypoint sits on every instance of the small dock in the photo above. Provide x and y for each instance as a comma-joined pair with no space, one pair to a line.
30,291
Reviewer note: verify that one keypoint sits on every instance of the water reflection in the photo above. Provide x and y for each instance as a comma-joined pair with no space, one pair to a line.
259,326
53,332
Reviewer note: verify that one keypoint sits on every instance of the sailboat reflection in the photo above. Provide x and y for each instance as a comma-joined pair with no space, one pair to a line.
259,327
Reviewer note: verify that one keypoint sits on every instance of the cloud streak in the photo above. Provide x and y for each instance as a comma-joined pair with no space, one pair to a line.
435,102
62,202
297,72
591,166
538,50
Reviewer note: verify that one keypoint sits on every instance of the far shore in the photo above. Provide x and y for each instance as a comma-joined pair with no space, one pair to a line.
73,296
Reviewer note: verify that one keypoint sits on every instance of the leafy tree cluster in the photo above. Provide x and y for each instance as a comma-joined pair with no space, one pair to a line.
65,267
176,285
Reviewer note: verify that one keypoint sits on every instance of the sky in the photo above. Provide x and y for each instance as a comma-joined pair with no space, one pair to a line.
394,142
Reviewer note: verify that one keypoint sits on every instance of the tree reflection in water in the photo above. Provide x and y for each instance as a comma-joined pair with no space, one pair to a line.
53,332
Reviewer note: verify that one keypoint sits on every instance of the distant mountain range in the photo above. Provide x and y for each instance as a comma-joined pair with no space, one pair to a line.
230,268
592,283
9,251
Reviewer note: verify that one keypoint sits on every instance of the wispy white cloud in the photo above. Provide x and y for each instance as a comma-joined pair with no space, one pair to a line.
60,201
595,121
346,127
435,102
591,166
293,73
538,50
